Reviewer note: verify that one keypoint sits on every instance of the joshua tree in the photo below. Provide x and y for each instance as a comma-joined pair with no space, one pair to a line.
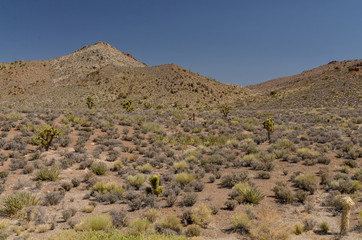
269,126
346,213
90,102
225,110
47,136
155,185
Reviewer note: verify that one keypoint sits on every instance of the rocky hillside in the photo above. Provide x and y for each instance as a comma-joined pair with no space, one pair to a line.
110,77
336,84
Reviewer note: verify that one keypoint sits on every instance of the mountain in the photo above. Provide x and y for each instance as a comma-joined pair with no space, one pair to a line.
110,77
336,84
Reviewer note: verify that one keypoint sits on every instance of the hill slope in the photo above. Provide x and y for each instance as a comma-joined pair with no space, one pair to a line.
110,76
331,85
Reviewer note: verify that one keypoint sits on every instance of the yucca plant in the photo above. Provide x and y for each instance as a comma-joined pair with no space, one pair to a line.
15,202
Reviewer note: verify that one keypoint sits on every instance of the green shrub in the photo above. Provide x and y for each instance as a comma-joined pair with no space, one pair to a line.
184,178
324,227
181,165
240,223
117,165
284,143
193,231
140,226
50,174
168,223
202,215
103,188
307,182
283,193
152,214
99,168
248,193
136,180
100,222
298,229
146,168
17,201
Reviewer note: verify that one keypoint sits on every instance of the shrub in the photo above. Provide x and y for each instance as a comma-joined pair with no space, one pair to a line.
100,222
147,168
324,228
230,204
119,218
17,201
298,229
248,193
201,215
193,231
309,224
139,226
152,214
240,223
53,198
307,182
103,188
230,180
282,193
99,168
184,178
189,199
88,209
117,165
180,165
136,180
169,224
50,174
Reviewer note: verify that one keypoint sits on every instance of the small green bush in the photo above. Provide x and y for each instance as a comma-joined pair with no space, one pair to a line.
307,182
184,178
324,227
168,223
136,180
240,223
193,231
140,226
99,168
100,222
248,193
104,188
202,215
46,173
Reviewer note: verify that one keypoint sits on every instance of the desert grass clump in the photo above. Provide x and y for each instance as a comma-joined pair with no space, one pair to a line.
298,229
17,201
283,193
99,168
146,168
136,180
202,215
193,231
181,165
100,222
169,224
323,226
184,178
240,222
307,182
140,226
248,193
104,188
47,173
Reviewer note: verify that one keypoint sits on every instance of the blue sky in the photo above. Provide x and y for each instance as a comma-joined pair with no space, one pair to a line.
233,41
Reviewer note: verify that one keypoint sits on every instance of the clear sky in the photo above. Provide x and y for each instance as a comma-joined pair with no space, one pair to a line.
233,41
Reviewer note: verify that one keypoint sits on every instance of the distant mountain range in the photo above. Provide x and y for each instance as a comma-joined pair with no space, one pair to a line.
112,77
